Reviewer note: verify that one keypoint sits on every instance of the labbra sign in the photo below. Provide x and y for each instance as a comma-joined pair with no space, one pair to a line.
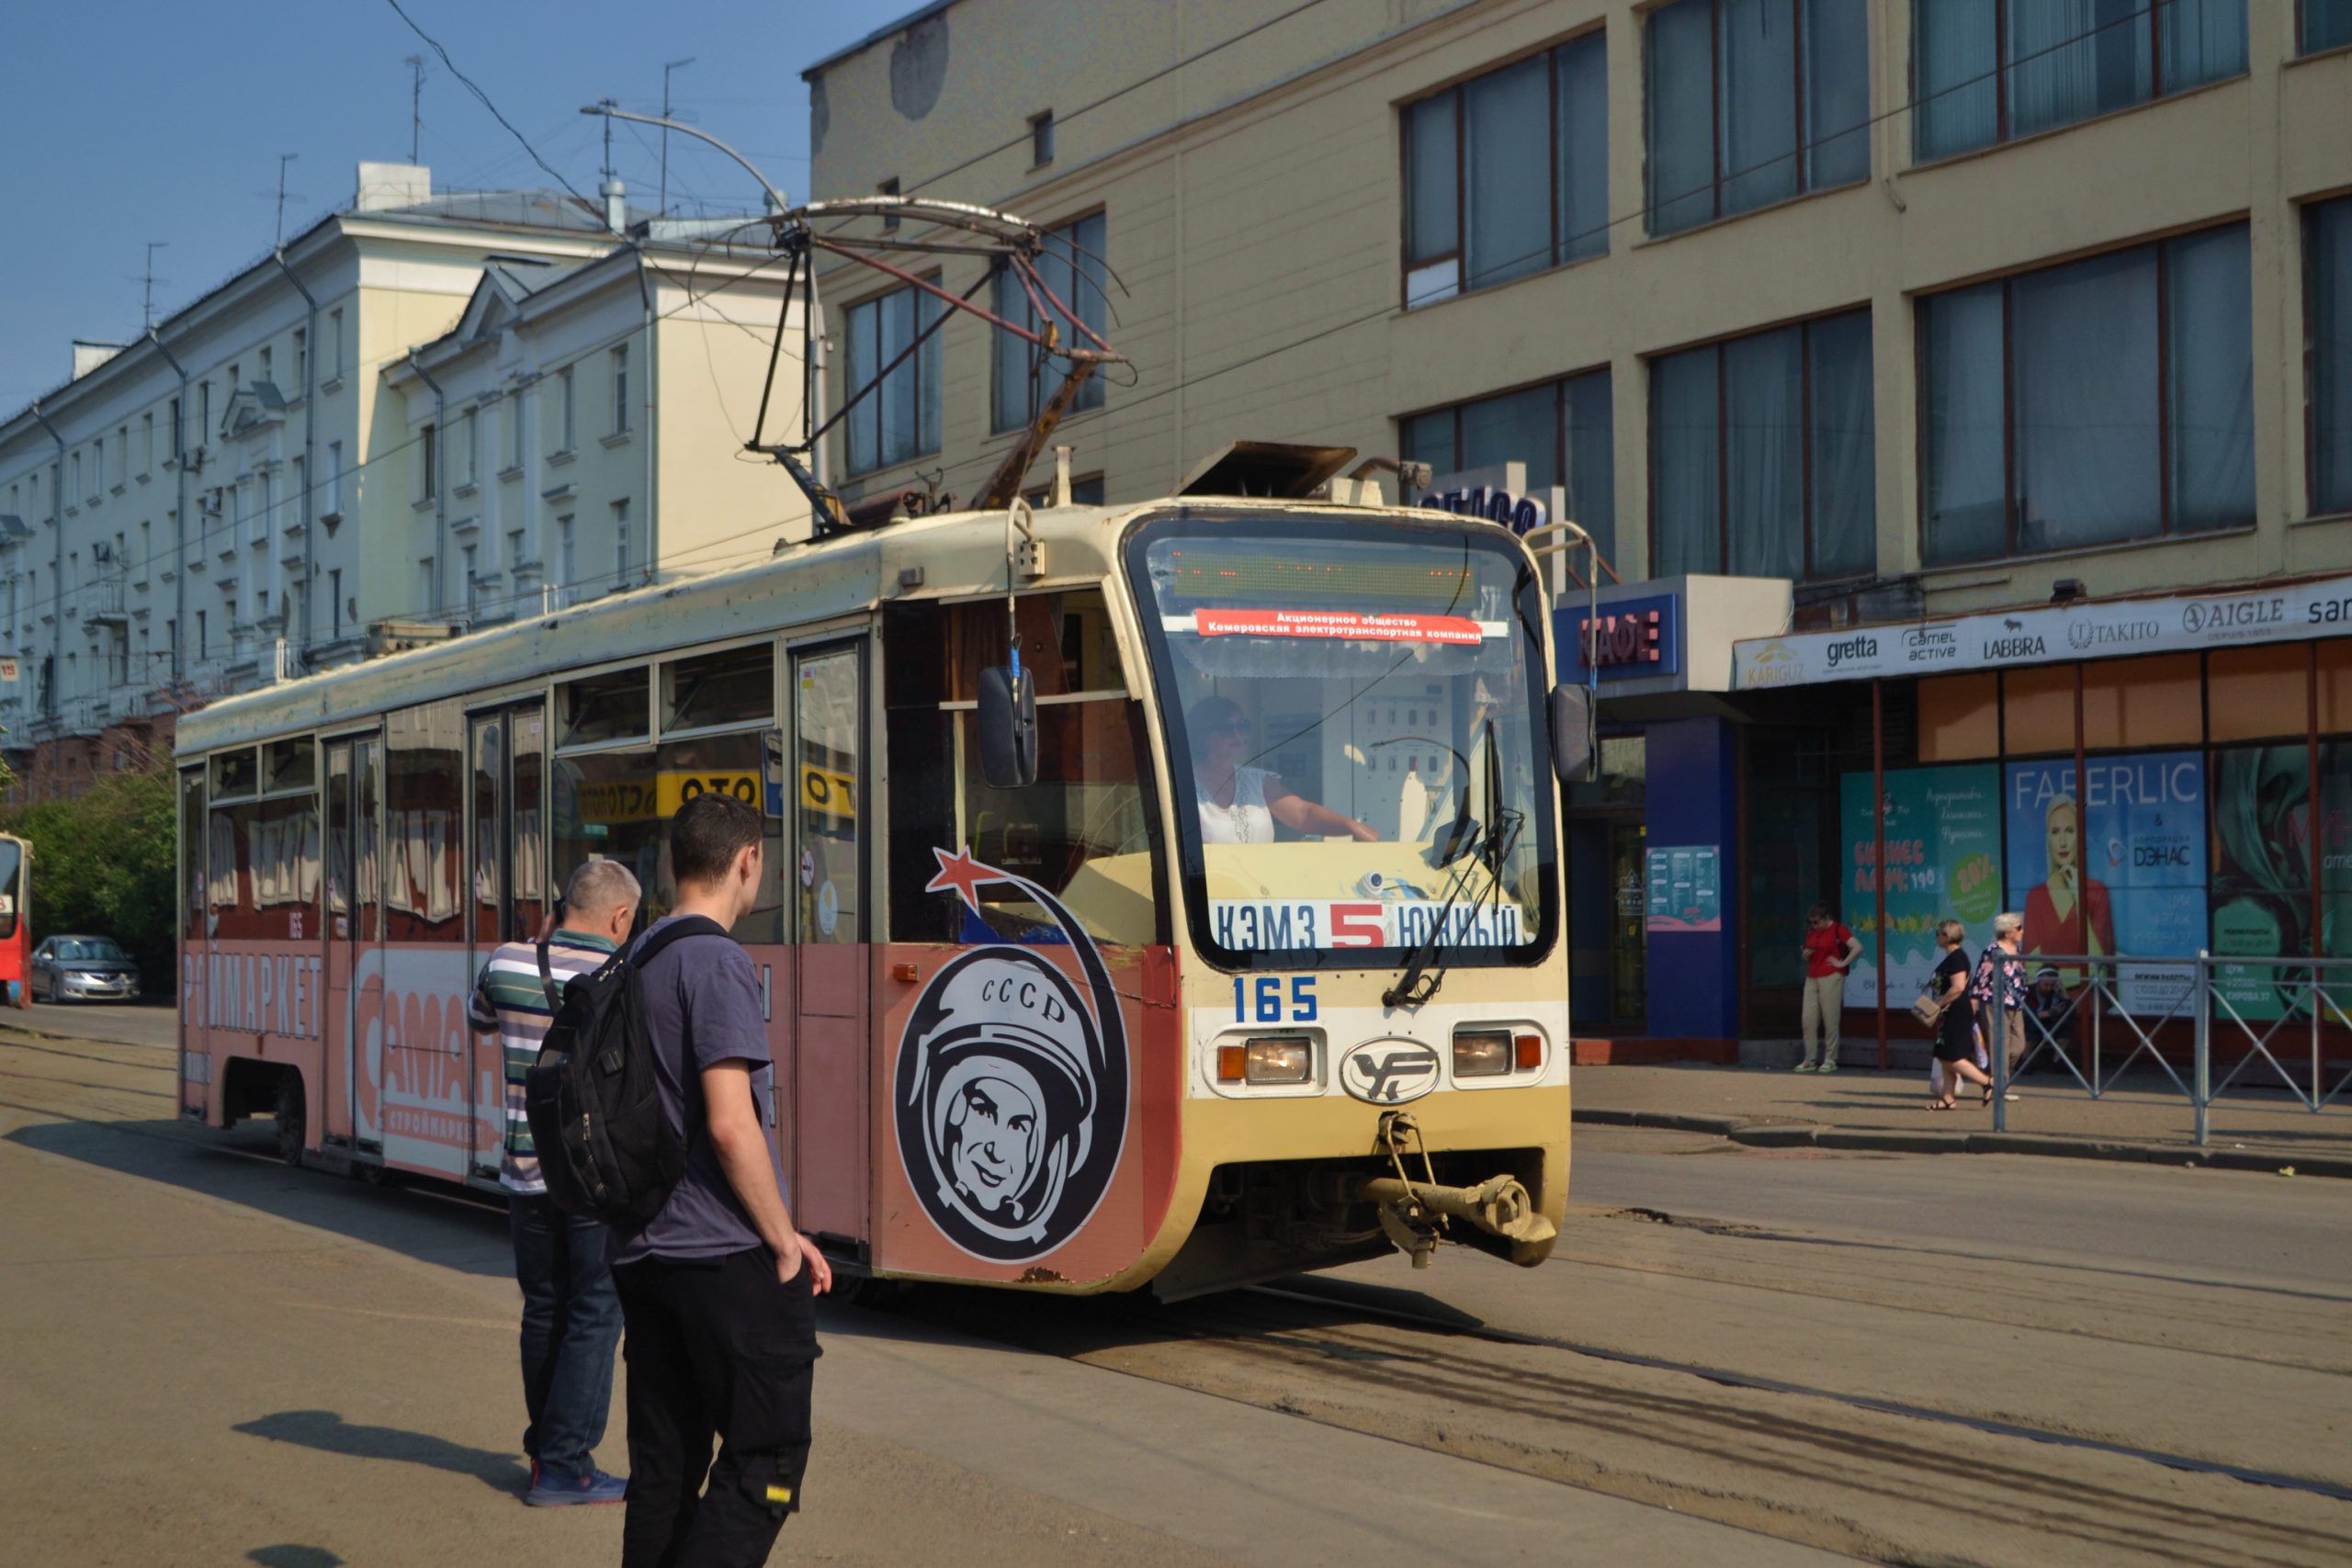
2294,613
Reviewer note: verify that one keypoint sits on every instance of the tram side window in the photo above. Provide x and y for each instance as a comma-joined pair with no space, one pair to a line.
265,870
1085,831
424,823
193,845
617,806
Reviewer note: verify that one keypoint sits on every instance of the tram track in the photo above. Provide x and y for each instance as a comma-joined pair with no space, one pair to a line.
1873,1477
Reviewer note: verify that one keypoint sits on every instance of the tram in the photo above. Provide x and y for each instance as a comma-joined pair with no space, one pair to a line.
1159,894
15,921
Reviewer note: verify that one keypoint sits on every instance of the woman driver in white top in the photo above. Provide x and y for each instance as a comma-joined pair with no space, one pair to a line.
1241,805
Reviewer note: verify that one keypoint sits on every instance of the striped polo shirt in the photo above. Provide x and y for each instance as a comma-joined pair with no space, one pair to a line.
510,998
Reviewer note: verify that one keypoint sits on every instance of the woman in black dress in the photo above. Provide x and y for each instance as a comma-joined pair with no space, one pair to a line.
1956,1026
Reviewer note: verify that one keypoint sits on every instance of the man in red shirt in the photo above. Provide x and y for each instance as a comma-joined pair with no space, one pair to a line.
1829,950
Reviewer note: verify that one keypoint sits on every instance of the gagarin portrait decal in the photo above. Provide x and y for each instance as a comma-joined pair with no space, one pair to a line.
1011,1098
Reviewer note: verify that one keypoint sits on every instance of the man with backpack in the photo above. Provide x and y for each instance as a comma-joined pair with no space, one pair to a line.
717,1287
570,1316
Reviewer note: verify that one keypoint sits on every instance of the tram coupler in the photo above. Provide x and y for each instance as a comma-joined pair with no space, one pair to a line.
1412,1212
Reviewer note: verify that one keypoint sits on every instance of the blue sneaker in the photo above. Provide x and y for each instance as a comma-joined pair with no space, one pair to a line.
551,1491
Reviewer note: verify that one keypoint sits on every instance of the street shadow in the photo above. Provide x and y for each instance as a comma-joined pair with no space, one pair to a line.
330,1433
433,1222
294,1557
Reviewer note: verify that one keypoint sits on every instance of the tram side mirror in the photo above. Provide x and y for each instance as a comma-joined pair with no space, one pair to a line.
1008,719
1576,748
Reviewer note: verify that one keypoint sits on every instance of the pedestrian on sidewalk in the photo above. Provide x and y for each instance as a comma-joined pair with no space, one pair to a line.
1999,991
2053,1010
1830,950
1956,1024
570,1316
719,1288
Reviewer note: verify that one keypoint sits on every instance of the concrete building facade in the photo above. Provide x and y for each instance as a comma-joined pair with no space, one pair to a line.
1920,307
235,498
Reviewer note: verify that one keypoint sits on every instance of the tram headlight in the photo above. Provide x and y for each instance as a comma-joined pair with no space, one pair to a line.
1482,1053
1282,1058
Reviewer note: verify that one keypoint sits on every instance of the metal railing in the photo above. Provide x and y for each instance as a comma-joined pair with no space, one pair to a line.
2114,1008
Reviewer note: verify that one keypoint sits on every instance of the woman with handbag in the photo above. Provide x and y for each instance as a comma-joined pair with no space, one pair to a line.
1955,1017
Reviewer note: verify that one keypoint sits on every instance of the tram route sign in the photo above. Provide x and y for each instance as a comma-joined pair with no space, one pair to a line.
644,799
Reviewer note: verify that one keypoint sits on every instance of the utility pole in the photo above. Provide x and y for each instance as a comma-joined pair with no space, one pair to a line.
283,159
666,69
415,64
147,310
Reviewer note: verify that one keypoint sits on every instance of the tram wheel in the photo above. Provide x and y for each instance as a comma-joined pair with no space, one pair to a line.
292,1133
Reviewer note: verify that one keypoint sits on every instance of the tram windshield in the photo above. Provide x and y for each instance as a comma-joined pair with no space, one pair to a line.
1354,713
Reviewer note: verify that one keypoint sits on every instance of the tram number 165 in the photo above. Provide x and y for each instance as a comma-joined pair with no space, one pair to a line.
1260,999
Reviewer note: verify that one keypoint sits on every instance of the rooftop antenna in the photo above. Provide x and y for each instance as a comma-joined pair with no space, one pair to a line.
415,64
666,69
147,311
283,159
608,105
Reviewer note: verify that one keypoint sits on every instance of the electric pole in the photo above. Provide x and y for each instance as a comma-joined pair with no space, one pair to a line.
672,66
415,64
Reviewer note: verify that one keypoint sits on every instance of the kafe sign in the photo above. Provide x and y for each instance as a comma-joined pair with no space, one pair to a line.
2295,613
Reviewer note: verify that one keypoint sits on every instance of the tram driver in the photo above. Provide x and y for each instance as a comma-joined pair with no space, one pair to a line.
1239,804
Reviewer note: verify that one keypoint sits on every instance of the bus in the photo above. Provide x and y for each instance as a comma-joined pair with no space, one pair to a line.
15,921
1159,894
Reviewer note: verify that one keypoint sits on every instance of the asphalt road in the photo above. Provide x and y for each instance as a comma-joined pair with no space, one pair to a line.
1735,1357
127,1023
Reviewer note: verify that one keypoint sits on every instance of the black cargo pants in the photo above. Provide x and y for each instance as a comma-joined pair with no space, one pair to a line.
716,1348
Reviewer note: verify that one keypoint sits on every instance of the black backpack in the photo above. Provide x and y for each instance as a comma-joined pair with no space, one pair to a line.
607,1149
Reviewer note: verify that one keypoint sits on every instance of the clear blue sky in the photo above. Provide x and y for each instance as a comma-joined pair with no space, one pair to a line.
131,121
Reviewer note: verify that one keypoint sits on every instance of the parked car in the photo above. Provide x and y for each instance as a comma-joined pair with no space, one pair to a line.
84,968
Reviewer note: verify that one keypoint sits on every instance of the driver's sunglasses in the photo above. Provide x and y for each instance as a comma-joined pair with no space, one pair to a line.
1233,727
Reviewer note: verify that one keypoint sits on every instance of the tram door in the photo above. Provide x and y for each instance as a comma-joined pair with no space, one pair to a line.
354,935
830,984
196,947
508,896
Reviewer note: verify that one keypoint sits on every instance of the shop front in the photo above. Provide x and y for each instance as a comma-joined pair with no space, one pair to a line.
1653,844
2142,779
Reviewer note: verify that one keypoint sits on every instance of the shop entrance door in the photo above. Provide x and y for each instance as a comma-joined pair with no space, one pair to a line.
1629,947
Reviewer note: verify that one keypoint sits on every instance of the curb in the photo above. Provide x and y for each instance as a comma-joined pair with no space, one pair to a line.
1785,1134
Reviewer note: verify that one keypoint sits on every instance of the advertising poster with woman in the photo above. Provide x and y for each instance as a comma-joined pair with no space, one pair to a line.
1943,861
2115,865
2262,879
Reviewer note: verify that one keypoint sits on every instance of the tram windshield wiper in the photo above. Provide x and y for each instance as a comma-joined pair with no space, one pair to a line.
1419,981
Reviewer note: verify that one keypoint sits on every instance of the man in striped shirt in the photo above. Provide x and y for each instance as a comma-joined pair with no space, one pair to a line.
572,1317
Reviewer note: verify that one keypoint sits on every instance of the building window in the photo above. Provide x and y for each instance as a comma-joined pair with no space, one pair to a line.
1560,430
2327,326
1988,71
147,442
303,358
899,419
1041,139
621,390
334,604
1508,174
1074,264
514,430
469,436
2328,24
265,364
334,344
566,568
473,596
428,456
122,454
2101,401
428,588
204,413
74,481
203,636
620,544
564,408
334,478
173,433
1753,102
1762,456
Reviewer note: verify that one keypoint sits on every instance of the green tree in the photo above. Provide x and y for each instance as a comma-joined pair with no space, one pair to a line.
105,863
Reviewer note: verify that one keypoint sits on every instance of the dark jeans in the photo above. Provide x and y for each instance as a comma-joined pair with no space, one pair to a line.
570,1319
716,1348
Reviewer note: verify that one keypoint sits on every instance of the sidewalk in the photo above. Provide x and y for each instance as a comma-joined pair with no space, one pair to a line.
1861,1108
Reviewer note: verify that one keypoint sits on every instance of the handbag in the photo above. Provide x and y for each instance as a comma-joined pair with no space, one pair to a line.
1927,1006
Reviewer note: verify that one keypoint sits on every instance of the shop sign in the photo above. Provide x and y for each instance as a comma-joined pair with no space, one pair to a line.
2300,611
1496,504
1638,638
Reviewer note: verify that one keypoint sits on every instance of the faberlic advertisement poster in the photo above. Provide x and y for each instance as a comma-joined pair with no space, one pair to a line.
2115,865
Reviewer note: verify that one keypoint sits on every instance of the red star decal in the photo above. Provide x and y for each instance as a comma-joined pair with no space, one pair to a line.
963,873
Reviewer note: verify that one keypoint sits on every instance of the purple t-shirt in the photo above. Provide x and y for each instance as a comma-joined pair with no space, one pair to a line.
702,1005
